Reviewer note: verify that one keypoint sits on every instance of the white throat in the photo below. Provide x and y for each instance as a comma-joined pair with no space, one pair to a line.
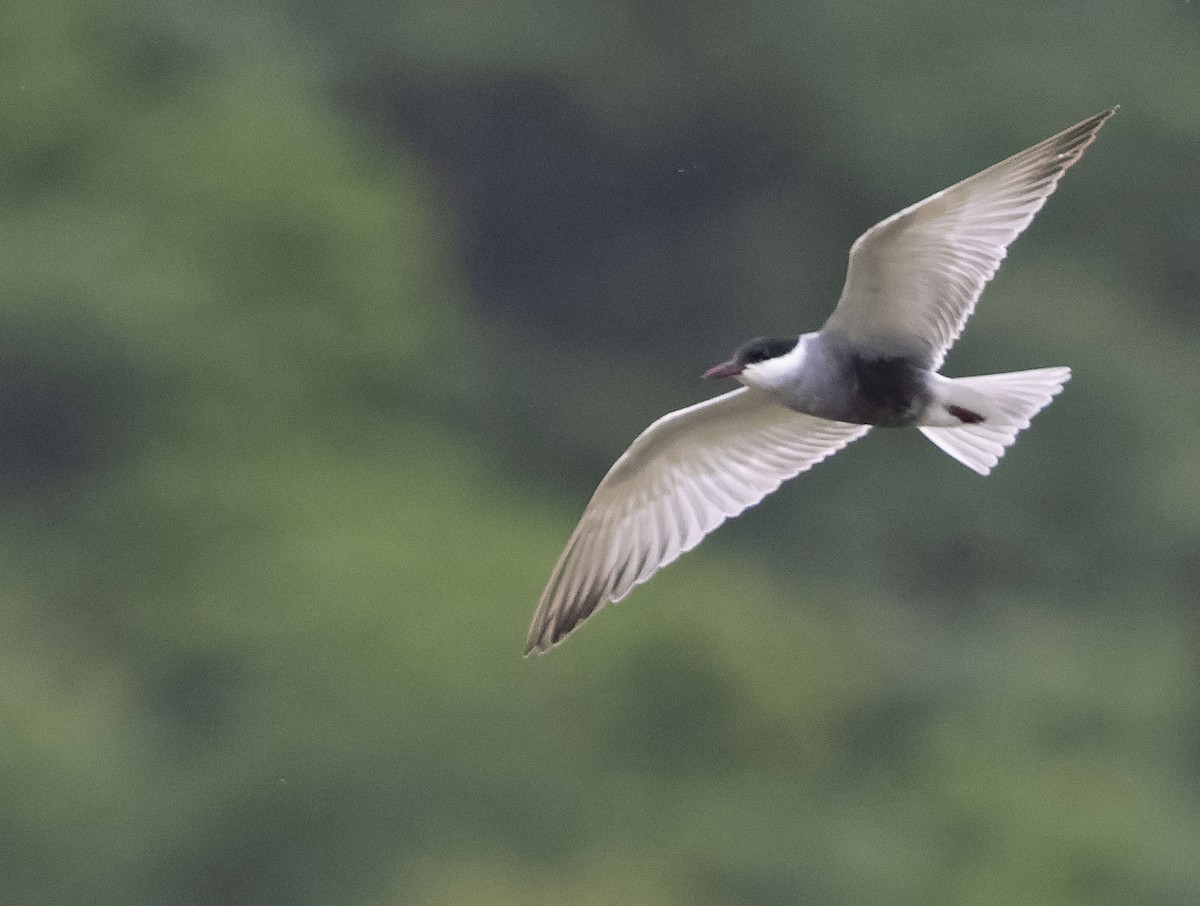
776,373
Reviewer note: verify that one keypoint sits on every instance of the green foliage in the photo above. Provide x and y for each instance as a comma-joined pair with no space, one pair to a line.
278,499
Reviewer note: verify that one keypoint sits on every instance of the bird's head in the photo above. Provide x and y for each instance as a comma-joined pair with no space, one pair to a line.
765,362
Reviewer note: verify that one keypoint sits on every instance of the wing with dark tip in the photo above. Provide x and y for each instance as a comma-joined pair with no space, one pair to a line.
914,278
683,476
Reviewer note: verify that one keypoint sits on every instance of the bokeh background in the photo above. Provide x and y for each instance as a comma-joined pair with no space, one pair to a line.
319,323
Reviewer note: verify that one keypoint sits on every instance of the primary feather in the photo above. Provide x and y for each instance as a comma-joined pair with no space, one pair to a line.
683,476
914,278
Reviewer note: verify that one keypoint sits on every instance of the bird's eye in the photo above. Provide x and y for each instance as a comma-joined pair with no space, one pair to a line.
755,354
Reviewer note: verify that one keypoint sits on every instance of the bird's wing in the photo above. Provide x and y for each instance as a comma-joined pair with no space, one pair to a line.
683,476
914,278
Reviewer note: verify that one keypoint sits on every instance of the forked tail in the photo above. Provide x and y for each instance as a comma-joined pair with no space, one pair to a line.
988,411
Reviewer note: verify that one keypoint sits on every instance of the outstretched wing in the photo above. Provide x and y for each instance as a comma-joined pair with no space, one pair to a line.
914,278
683,476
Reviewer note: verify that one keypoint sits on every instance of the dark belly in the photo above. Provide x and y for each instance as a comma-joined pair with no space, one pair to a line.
891,393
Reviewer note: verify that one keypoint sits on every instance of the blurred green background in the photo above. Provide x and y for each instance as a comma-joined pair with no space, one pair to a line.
318,325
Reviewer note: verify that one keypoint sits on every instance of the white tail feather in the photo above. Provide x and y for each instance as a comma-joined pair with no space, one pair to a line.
1006,402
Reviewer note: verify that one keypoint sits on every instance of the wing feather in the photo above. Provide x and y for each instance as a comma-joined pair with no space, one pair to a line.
683,476
914,278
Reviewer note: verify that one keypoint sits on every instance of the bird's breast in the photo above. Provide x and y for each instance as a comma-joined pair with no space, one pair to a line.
888,392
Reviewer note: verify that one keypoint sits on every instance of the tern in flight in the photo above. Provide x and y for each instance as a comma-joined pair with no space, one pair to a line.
912,282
